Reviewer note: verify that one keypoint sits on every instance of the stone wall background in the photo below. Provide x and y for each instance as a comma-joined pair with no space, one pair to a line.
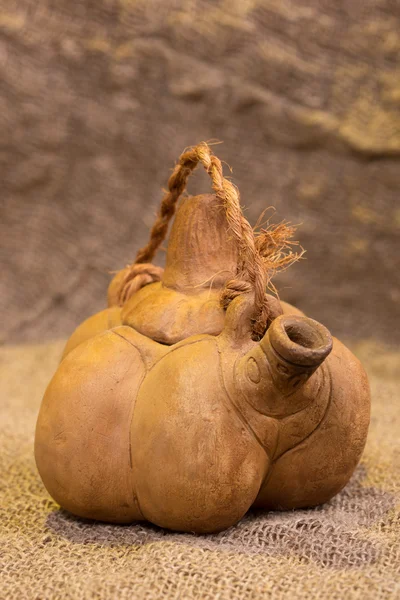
98,98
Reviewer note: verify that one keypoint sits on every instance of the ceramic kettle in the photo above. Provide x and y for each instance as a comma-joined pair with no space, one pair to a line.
196,394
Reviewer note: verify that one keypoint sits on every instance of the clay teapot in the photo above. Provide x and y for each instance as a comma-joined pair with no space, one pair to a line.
196,395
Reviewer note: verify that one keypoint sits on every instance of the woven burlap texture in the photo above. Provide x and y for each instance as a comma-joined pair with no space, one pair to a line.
349,548
98,99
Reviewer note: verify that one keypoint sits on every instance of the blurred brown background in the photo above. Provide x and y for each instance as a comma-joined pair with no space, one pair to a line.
98,98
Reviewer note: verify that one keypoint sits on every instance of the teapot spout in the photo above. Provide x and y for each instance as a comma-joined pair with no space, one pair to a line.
295,347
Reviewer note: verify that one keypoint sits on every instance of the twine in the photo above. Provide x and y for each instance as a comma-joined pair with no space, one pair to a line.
134,277
260,255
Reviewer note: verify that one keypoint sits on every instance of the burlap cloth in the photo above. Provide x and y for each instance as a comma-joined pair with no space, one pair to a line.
99,97
349,548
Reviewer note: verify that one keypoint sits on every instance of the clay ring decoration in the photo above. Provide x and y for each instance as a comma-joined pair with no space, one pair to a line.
196,394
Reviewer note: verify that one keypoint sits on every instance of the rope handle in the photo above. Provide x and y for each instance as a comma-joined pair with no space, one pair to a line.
260,255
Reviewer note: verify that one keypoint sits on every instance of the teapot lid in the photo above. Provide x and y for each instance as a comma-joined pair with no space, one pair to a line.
201,257
201,254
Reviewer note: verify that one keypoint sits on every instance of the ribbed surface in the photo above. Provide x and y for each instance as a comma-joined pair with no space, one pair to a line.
349,548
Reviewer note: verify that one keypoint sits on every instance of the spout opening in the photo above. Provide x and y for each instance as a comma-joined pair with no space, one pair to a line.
304,334
300,340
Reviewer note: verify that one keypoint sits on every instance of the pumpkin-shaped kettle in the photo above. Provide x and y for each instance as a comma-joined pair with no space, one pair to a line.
196,395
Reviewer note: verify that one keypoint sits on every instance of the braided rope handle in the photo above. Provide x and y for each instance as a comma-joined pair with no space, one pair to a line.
259,257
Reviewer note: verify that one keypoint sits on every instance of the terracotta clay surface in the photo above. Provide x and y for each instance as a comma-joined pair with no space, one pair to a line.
195,395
